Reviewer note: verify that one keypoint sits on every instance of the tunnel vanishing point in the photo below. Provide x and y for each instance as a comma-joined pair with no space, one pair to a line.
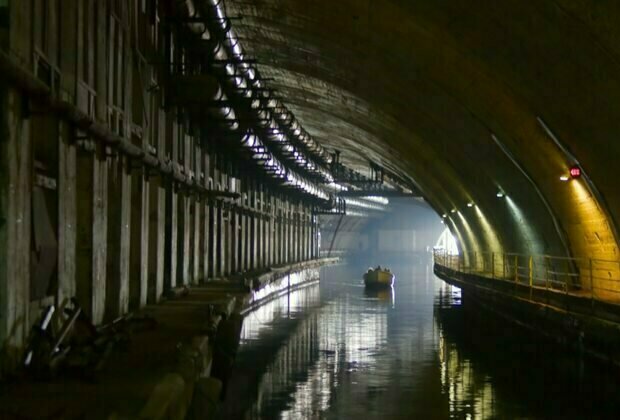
149,147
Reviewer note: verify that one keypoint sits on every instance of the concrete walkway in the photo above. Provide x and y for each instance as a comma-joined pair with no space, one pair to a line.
175,352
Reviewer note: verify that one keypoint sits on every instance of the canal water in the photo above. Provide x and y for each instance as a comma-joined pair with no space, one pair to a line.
421,351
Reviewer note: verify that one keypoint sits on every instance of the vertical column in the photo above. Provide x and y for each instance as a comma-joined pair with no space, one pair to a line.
302,232
234,240
99,187
280,245
306,235
255,261
145,240
67,160
268,241
204,251
66,217
187,238
206,231
213,241
229,240
286,236
15,230
243,237
197,235
119,235
309,233
99,238
290,225
261,228
296,237
198,215
221,266
312,237
158,212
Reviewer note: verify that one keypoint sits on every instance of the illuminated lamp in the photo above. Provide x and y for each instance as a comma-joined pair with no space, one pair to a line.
500,195
575,172
564,178
470,204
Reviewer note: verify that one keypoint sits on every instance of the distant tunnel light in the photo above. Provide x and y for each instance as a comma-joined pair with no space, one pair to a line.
471,204
500,195
564,178
453,211
575,172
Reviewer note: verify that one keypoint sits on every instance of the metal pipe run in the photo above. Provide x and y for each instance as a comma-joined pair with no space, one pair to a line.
229,59
284,130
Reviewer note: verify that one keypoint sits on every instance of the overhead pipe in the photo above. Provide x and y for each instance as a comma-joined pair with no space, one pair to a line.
250,81
226,114
237,81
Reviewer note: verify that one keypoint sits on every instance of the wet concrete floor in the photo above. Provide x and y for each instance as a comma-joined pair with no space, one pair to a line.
423,350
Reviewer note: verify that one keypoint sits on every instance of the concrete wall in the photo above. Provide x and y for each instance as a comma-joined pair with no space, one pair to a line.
79,219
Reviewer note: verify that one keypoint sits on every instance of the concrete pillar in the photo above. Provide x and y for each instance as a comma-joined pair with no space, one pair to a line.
157,221
244,239
290,233
92,234
262,231
15,234
213,241
234,240
119,235
302,234
254,240
285,233
268,233
296,237
144,243
308,234
219,242
138,277
157,217
227,241
66,216
197,236
185,223
206,232
280,232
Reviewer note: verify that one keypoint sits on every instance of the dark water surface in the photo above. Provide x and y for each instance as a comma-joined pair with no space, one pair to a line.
422,352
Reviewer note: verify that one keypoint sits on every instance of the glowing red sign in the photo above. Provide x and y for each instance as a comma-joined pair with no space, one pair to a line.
575,172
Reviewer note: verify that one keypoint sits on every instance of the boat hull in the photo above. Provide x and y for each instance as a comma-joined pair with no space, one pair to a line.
378,278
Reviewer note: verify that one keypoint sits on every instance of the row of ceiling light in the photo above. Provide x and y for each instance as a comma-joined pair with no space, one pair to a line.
574,172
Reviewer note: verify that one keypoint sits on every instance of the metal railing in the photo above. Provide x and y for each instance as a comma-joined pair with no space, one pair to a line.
589,277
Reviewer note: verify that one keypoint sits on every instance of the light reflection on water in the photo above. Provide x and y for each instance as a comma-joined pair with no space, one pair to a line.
336,351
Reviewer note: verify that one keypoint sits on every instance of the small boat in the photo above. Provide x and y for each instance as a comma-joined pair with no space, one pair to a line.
378,277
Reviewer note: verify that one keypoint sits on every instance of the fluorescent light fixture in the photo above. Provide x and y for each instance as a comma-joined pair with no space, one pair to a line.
564,178
444,216
470,204
453,211
500,195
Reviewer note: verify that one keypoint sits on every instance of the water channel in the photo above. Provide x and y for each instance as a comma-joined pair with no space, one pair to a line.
333,350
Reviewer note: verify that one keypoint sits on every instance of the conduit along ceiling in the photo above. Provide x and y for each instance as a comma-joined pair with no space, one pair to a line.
212,77
479,103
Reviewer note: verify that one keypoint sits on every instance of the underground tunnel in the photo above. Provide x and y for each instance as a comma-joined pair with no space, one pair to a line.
309,209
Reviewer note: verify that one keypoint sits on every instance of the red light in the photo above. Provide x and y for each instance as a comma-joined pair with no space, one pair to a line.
575,172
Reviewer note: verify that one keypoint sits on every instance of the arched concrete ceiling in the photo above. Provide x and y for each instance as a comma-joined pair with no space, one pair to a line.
421,85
